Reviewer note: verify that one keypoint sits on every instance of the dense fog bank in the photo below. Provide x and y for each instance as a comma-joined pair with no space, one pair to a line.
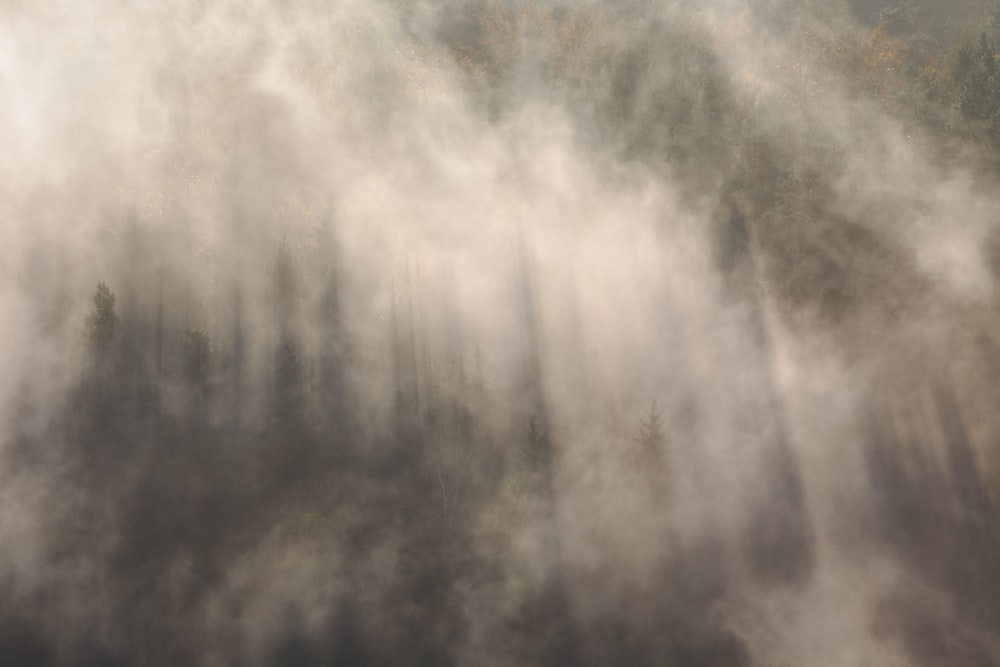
499,333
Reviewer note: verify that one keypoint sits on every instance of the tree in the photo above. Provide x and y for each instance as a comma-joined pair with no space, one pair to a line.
976,77
288,448
103,322
652,455
107,400
652,439
535,450
197,347
197,356
287,406
898,19
285,278
331,385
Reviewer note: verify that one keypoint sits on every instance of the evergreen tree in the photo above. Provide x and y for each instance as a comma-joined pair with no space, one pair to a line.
652,439
197,348
103,323
287,409
104,335
330,387
197,356
976,76
289,449
287,403
535,450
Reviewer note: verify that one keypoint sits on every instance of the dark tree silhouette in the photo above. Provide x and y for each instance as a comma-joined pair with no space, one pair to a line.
103,323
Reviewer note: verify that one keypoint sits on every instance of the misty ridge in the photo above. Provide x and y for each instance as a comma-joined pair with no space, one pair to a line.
514,332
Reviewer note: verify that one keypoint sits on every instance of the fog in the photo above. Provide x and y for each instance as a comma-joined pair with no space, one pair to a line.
499,333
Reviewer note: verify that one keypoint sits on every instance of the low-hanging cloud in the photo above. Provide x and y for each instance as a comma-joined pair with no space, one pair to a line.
485,333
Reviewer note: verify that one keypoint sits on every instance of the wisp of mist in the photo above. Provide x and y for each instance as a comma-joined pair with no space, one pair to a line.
499,332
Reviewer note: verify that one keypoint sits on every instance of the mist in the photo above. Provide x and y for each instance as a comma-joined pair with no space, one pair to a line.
499,333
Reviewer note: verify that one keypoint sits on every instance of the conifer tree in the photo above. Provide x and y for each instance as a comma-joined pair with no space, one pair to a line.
103,322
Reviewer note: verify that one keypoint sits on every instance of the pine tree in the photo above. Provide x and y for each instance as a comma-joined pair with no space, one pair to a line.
652,439
103,323
287,406
287,409
535,450
289,446
197,348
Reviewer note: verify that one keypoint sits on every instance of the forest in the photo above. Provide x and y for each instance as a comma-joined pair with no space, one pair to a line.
500,333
